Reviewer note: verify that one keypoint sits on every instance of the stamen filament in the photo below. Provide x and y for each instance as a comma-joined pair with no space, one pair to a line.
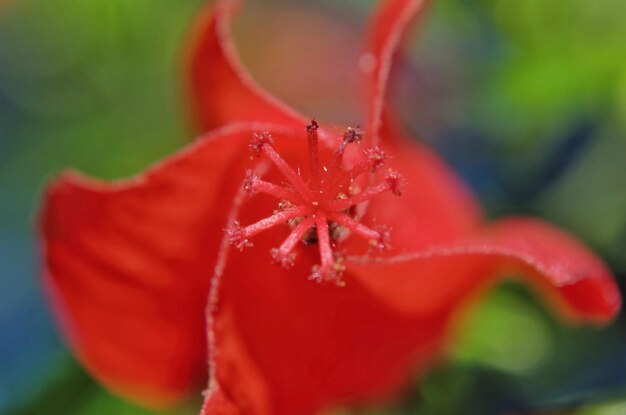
276,219
282,254
293,177
320,202
352,135
349,175
367,194
354,225
272,189
323,240
314,154
338,157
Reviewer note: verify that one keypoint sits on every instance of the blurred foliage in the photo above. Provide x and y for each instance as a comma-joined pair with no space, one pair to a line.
511,356
506,333
92,84
72,391
527,99
89,84
559,60
516,94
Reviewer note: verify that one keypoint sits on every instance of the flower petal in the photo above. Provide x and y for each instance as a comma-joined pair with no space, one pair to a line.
218,404
435,205
443,277
129,264
220,90
313,345
436,201
389,25
283,344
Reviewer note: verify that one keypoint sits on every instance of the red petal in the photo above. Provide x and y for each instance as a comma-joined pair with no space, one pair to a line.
435,202
576,282
389,25
220,90
435,206
285,345
129,264
218,404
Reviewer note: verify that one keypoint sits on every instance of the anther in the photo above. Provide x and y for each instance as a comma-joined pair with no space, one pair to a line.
332,273
396,182
237,236
376,157
284,205
284,260
249,182
353,135
311,128
258,141
383,242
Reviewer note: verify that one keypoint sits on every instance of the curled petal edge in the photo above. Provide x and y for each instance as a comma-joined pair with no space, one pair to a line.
219,89
573,280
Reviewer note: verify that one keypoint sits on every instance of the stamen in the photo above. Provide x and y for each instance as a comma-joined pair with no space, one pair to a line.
352,135
393,181
374,160
328,270
283,255
396,182
314,154
291,176
355,226
384,239
323,237
239,236
253,184
319,212
320,274
257,142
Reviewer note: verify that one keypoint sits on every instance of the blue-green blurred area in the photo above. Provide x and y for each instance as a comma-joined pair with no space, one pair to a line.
87,84
526,99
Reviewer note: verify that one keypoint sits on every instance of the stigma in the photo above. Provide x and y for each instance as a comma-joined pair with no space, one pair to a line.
321,210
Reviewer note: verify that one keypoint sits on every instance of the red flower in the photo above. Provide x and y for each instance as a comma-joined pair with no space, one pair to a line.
130,264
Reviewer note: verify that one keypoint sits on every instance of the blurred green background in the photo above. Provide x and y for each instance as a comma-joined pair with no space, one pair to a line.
525,98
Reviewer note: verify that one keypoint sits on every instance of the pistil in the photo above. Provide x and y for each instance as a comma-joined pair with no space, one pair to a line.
314,154
318,212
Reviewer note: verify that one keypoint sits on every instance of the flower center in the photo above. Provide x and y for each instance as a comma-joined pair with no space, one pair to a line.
321,211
